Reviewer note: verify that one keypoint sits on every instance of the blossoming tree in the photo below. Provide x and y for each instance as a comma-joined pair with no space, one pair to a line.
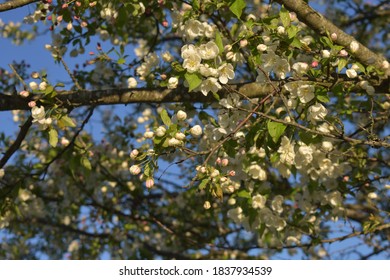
232,129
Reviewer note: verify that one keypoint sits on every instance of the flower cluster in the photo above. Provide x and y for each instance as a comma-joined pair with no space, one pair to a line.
206,61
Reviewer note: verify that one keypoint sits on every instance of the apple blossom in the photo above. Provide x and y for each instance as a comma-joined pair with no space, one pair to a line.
160,131
207,205
226,73
33,85
134,153
210,84
149,134
135,169
196,131
173,82
354,46
317,112
209,50
24,93
149,183
351,73
180,136
131,82
181,115
261,47
258,201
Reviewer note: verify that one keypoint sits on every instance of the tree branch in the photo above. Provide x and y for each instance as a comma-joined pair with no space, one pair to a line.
14,4
322,26
79,98
16,145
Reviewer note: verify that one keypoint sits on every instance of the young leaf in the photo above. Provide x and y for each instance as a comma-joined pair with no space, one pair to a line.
285,17
66,121
86,163
237,7
53,137
165,117
276,130
218,41
193,80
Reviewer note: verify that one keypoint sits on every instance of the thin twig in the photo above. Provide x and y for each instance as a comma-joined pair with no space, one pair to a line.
76,83
18,76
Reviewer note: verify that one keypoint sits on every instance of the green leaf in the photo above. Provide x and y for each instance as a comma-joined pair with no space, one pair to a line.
148,170
323,98
276,130
244,194
218,41
237,7
60,85
285,17
195,5
193,79
165,117
49,89
53,137
177,67
86,163
204,183
342,63
121,60
66,121
292,31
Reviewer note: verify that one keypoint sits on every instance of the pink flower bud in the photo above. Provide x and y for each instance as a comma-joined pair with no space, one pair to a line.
24,93
225,162
135,170
314,64
134,153
343,53
232,173
149,183
243,43
218,161
333,36
32,104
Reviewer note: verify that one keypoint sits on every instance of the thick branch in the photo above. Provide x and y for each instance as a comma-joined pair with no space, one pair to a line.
322,26
81,98
14,4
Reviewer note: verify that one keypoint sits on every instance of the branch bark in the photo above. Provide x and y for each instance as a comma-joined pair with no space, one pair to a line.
322,26
14,4
113,96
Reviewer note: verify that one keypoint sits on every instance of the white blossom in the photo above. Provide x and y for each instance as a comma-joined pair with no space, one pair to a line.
33,85
173,82
305,92
38,113
256,172
193,28
354,46
181,115
131,82
351,73
258,201
226,73
317,112
286,151
148,134
160,131
209,50
210,84
196,131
